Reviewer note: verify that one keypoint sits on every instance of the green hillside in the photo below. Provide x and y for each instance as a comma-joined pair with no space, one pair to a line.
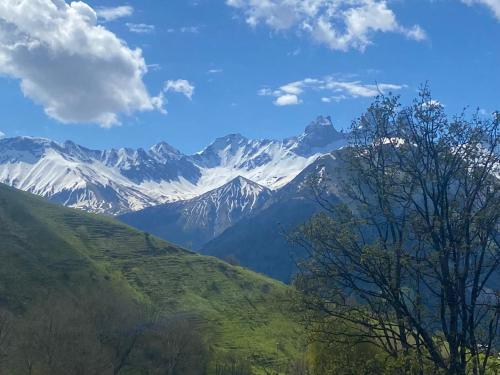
46,249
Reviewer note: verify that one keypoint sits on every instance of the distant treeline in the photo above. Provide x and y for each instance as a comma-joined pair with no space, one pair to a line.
105,334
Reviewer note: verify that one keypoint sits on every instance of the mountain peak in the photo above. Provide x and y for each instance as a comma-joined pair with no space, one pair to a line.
240,184
319,136
320,123
165,151
22,149
23,139
230,139
227,204
29,145
241,180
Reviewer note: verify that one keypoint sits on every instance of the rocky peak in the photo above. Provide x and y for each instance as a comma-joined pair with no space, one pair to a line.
165,152
320,124
319,136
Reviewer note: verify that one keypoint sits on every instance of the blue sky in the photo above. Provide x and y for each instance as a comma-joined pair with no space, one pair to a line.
263,68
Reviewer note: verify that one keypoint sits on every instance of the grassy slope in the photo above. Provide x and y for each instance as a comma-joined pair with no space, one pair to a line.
46,248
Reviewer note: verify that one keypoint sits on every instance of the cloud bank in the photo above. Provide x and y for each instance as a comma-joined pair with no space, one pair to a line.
338,24
331,89
76,69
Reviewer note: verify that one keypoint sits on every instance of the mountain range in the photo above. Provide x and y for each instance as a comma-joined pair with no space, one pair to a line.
118,181
234,199
249,228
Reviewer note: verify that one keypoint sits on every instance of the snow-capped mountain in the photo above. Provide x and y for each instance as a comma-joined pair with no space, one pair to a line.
226,205
254,241
121,180
194,222
109,181
270,163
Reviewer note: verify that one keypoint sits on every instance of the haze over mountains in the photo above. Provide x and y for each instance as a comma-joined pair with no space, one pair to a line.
117,181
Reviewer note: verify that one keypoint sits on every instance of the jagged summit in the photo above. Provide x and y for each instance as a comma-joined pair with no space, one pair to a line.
320,136
223,142
222,150
318,124
165,151
240,180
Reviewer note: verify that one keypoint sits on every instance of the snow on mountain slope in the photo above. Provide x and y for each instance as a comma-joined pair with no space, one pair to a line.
97,181
291,206
194,222
121,180
227,204
269,162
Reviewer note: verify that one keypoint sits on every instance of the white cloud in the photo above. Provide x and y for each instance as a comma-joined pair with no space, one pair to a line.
415,33
180,86
339,24
77,70
330,87
294,88
287,99
2,134
140,28
493,5
215,71
113,13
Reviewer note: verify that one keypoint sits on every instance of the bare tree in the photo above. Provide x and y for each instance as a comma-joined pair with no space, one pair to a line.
100,333
174,346
56,337
411,260
6,322
119,322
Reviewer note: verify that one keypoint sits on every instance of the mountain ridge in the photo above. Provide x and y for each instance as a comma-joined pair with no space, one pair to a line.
116,181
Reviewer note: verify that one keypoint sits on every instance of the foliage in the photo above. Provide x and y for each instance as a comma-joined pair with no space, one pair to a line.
411,260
